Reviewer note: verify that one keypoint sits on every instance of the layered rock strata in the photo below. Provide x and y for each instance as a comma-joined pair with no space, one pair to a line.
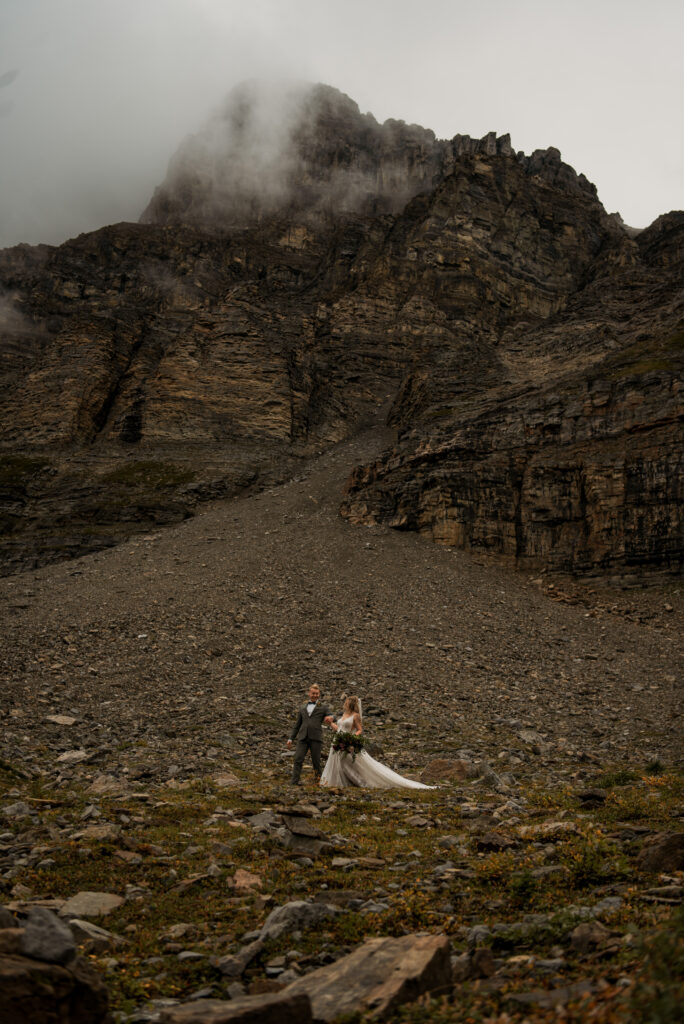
301,266
574,461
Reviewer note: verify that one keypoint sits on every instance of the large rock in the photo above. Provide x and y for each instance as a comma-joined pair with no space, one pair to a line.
295,915
378,977
300,836
48,938
34,992
663,853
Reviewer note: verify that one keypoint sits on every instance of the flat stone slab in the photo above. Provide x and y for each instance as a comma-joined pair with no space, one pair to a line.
548,830
278,1008
225,779
90,904
303,827
378,977
72,756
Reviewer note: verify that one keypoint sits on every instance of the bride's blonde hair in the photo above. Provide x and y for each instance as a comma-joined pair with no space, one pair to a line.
352,704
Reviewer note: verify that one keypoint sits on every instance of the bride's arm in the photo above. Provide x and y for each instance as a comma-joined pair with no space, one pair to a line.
357,723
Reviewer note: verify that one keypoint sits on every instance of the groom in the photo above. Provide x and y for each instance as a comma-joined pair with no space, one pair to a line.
308,732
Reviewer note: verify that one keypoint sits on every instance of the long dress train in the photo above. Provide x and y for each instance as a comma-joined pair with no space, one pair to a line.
364,771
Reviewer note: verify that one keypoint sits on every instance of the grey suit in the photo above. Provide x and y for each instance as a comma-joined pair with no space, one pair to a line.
308,732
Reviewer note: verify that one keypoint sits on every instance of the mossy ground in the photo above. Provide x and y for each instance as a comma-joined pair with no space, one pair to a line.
176,835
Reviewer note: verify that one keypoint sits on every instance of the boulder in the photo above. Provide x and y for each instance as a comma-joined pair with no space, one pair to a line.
301,836
378,977
35,992
665,852
47,938
295,915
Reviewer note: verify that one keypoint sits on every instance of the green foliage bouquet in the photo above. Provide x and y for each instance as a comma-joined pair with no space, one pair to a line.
347,743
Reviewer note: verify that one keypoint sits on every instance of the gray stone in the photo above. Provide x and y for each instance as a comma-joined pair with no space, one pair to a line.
72,756
295,915
303,844
92,937
266,819
234,966
47,938
478,935
90,904
17,810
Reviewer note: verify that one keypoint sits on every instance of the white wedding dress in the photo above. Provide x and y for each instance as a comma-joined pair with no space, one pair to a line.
363,770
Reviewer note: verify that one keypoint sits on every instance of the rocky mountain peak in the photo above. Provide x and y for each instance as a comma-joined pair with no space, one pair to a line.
290,148
293,149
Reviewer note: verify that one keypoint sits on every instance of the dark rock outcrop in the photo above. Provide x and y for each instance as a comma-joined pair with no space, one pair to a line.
302,265
49,993
568,453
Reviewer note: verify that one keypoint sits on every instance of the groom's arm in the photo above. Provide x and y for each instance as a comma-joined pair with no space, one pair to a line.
298,723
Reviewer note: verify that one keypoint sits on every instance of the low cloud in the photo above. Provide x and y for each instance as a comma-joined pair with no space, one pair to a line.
96,97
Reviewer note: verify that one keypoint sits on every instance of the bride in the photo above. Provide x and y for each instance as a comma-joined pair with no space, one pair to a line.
363,770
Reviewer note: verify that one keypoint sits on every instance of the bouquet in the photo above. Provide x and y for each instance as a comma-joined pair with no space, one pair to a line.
347,743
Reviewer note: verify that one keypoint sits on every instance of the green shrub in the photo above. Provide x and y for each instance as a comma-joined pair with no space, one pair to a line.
658,995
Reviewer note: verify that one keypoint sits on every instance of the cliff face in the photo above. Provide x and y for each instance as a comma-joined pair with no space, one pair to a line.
283,285
569,453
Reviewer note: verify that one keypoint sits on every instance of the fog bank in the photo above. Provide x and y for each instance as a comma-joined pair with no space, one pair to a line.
96,97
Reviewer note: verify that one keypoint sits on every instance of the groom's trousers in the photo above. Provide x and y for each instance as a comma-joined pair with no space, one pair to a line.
300,753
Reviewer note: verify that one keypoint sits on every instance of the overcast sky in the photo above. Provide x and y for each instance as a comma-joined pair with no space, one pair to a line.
95,95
